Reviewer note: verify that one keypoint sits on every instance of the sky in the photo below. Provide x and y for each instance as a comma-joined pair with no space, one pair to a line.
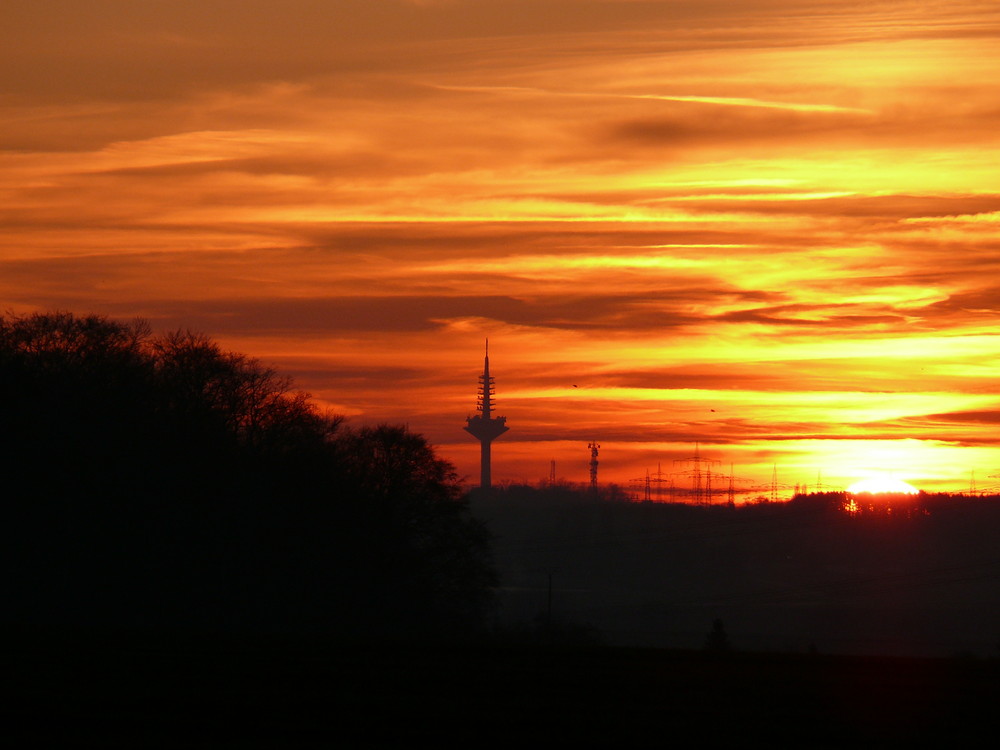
765,234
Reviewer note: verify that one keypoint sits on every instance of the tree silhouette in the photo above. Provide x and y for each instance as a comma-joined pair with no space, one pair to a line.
417,521
163,482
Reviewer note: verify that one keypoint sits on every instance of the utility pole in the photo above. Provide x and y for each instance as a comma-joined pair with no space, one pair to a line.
697,473
593,464
732,489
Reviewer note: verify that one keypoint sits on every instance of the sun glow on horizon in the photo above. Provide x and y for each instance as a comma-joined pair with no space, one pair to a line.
883,486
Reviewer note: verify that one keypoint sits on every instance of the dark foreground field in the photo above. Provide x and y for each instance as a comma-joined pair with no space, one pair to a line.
297,695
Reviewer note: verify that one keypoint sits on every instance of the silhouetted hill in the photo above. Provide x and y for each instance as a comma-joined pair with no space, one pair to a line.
922,579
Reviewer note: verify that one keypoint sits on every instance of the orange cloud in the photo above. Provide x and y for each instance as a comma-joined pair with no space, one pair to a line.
769,229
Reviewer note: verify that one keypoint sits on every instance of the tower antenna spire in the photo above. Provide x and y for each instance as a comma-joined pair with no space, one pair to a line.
483,425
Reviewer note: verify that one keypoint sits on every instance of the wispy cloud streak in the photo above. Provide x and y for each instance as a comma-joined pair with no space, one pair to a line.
768,228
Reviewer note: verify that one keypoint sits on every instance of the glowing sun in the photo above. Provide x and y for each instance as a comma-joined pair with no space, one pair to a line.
883,486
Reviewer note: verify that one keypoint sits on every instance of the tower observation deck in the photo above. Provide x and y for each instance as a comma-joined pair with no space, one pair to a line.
483,426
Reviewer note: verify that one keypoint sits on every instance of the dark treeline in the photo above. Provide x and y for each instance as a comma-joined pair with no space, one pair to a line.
894,575
161,483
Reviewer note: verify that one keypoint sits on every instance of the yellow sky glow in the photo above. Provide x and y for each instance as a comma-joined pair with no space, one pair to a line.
768,229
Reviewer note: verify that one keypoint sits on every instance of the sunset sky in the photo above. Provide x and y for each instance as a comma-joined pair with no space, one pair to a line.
771,229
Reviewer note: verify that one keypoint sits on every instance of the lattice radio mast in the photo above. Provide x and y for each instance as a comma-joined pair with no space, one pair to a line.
593,464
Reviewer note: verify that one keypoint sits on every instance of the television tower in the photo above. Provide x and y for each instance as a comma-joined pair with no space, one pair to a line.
483,426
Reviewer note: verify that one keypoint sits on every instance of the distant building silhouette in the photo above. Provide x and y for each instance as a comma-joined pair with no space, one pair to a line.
717,641
483,425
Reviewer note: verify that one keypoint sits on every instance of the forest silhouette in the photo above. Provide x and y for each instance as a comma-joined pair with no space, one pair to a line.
895,575
160,483
192,549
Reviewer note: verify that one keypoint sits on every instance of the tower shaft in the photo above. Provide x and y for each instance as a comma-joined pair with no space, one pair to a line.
485,469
